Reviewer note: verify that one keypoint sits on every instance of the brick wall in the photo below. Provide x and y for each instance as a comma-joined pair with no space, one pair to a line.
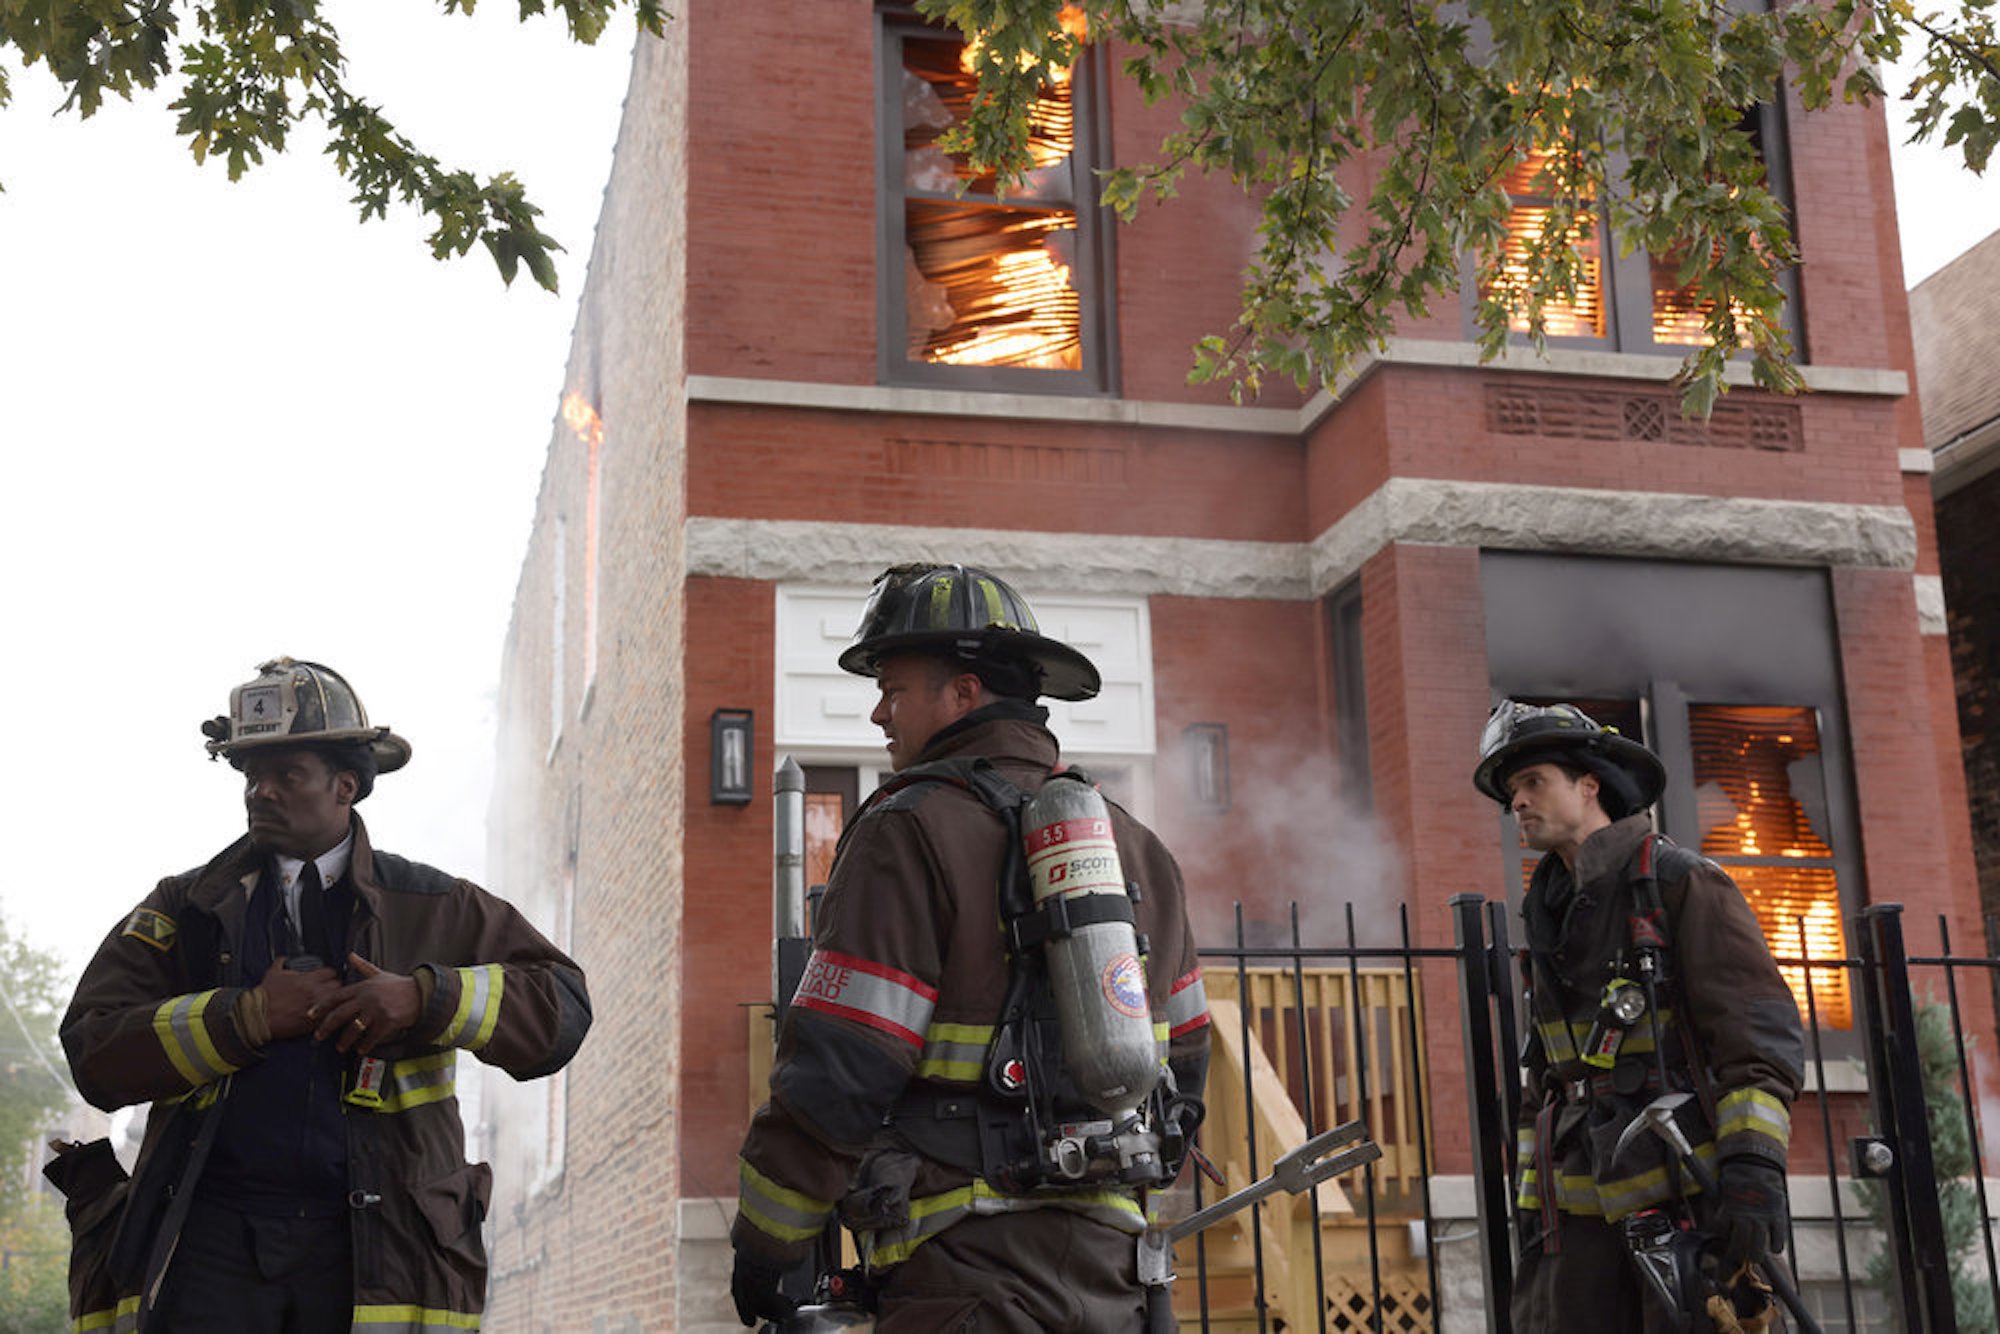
1914,835
563,1255
778,463
1257,668
1424,636
725,960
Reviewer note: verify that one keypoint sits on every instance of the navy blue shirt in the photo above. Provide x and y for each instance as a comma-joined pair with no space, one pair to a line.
282,1146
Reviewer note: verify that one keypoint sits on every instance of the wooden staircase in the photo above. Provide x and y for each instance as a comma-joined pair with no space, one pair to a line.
1330,1022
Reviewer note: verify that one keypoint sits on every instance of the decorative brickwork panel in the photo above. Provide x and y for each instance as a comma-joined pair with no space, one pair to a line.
1604,414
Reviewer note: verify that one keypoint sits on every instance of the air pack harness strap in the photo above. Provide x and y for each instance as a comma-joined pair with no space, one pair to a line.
1024,1095
1650,942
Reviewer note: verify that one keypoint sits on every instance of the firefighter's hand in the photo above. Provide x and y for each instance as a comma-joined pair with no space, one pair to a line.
754,1285
291,997
1751,1213
375,1008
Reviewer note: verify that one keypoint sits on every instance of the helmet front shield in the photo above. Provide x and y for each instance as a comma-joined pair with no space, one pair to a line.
292,702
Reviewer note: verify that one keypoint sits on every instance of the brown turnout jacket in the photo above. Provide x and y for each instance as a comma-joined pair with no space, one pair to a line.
907,982
155,1019
1727,1027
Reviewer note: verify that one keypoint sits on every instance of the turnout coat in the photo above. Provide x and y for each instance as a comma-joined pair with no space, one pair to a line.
901,997
155,1019
1726,1025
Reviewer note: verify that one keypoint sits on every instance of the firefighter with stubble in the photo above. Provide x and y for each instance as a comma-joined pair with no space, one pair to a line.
1650,985
934,1055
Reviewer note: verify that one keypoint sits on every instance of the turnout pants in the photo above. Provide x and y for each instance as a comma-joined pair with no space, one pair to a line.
1025,1273
1589,1285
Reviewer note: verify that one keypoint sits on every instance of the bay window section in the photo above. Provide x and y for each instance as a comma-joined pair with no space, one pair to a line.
1641,302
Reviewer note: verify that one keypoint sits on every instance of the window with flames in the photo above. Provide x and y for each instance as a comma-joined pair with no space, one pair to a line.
1761,803
1637,304
988,279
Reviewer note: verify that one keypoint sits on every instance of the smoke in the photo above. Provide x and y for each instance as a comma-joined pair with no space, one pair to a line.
1293,837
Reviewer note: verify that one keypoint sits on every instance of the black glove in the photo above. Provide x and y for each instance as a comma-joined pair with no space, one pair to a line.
1751,1214
754,1286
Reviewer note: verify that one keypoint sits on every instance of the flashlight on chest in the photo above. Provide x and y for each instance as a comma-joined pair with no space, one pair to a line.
1623,1004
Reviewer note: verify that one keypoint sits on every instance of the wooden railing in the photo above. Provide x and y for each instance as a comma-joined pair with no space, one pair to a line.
1357,1030
1257,1095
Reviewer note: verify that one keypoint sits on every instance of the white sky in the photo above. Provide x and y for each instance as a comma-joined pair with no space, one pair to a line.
238,423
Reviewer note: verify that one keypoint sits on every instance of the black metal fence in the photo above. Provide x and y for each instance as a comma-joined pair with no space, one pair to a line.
1874,1149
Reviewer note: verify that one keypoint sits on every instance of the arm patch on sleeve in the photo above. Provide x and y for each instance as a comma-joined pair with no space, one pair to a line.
154,928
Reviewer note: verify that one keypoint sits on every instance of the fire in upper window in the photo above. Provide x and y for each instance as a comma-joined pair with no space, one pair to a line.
1531,188
1610,302
988,281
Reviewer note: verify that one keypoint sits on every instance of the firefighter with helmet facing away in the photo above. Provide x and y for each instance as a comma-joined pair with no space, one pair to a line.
1648,975
949,1026
294,1011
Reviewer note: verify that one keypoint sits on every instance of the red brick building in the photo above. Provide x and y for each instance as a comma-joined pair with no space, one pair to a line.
801,357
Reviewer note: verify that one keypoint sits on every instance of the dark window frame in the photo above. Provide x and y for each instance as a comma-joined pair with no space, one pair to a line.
1628,279
1667,666
1347,632
1094,261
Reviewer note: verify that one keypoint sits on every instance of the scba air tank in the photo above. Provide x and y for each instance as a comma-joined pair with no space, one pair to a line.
1094,970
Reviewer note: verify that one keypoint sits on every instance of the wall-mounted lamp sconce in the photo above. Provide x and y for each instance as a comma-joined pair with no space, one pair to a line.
731,742
1208,758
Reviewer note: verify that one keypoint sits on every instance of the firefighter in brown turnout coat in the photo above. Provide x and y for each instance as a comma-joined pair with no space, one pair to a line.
1648,975
294,1011
919,1056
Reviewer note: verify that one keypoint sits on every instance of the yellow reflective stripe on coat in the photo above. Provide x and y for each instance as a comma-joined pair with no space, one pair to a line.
478,1010
1558,1042
1749,1111
1562,1041
1531,1190
778,1211
395,1319
933,1214
413,1083
122,1319
1524,1167
178,1024
955,1052
1580,1193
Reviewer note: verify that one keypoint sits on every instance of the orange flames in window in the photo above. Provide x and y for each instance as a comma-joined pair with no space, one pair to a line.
1747,762
1074,22
1528,222
989,275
